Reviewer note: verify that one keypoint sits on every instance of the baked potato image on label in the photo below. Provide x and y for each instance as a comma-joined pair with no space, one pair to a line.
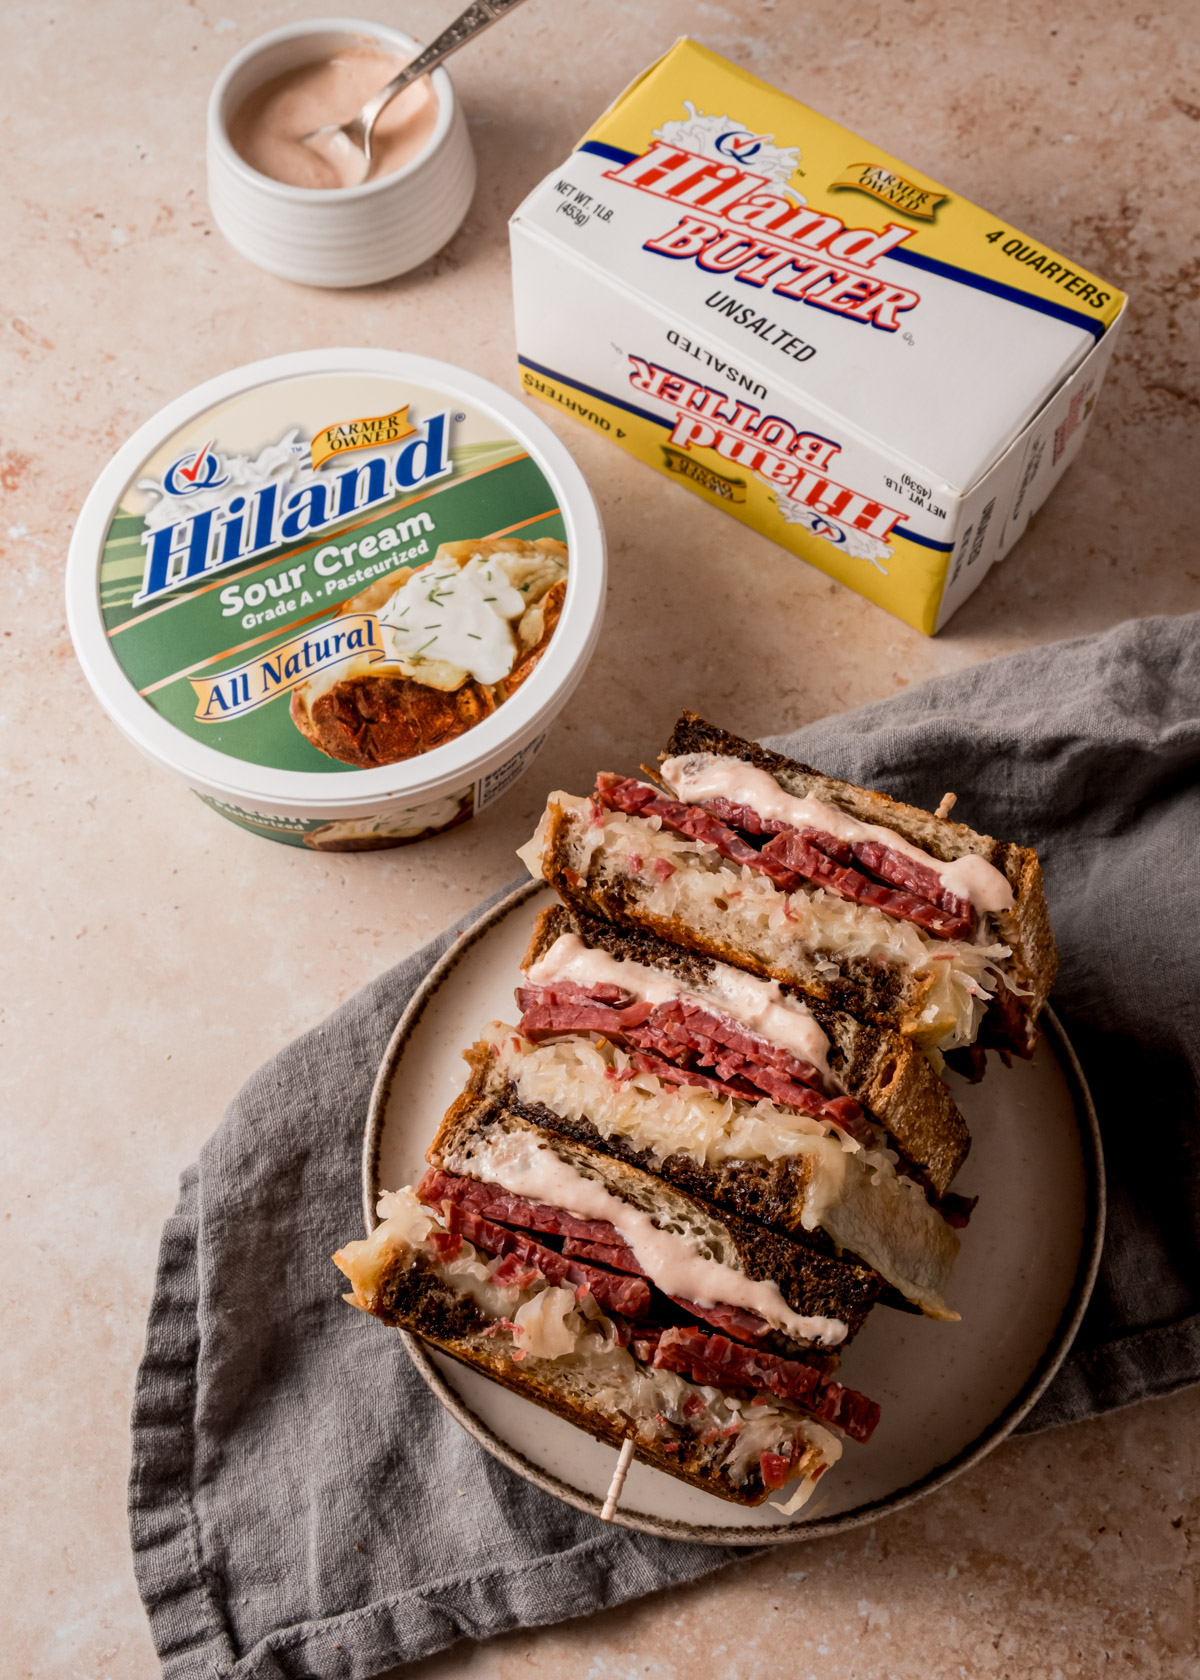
460,635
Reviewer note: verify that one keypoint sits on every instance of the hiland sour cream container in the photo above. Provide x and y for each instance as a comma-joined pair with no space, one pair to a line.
343,594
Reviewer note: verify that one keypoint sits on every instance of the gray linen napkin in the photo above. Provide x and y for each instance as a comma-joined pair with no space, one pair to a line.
301,1506
1089,750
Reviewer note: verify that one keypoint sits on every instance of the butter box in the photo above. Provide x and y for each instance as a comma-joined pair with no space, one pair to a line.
808,332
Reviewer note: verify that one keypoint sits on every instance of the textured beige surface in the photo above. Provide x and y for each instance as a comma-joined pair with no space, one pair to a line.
154,954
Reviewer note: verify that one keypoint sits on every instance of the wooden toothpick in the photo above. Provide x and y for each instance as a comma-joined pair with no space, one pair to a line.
949,801
618,1481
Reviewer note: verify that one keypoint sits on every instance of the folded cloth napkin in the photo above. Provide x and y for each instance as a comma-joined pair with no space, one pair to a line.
1089,751
301,1506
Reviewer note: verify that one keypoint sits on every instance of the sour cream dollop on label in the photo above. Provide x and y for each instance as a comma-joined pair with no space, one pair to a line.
459,615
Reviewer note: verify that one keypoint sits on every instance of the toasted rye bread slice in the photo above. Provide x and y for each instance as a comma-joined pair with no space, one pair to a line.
814,1284
1026,929
880,1069
412,1297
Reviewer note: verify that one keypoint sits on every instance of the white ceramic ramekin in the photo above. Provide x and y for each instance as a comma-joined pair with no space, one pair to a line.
344,236
458,459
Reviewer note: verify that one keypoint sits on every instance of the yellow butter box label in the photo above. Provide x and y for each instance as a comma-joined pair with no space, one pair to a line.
810,333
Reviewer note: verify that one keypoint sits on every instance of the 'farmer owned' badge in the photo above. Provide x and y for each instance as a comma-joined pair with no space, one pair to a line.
374,433
902,194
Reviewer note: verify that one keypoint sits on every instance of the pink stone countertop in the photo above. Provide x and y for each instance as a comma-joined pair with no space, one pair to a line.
154,955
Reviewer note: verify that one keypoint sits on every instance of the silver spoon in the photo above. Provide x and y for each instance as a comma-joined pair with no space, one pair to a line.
477,17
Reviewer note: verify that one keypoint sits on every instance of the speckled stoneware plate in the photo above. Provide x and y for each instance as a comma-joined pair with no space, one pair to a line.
949,1392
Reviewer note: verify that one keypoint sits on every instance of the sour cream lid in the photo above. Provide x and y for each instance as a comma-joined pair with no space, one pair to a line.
336,575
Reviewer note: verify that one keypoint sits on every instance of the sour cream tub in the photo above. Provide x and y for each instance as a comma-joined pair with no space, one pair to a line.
342,594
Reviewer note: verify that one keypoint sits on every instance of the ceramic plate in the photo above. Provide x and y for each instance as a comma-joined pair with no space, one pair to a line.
949,1392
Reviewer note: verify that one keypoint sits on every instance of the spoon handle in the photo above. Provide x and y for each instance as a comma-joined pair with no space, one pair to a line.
480,15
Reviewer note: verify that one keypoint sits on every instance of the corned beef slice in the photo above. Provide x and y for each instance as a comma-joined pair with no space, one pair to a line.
644,1062
796,855
800,852
698,1029
735,1321
745,817
494,1202
585,1239
895,868
722,1363
567,1007
898,870
630,1296
613,1254
678,1033
636,799
545,1018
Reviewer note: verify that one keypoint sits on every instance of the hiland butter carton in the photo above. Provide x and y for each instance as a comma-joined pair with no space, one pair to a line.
808,332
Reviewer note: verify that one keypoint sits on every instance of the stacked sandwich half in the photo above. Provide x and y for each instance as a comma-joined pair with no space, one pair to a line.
715,1133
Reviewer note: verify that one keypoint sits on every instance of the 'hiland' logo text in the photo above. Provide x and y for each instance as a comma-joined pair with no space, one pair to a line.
244,526
793,463
744,229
